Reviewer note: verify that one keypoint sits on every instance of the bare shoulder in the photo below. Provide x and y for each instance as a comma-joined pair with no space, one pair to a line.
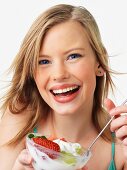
120,159
10,125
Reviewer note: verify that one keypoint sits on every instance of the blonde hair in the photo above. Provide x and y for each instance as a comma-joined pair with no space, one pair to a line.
23,92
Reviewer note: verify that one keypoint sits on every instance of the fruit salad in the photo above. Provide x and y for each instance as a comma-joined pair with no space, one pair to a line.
55,154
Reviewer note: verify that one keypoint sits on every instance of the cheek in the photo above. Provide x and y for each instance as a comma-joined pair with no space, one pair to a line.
85,72
41,86
86,75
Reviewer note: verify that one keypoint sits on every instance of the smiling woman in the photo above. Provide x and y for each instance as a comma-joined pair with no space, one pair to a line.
60,80
69,64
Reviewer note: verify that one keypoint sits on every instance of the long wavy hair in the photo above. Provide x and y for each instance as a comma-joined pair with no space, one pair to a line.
23,92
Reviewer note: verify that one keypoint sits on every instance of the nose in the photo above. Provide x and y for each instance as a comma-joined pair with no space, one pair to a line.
60,72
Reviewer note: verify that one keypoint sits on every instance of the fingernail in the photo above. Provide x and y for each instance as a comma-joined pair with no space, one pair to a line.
125,141
29,159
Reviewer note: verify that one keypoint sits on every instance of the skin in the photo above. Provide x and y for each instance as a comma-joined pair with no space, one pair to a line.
59,68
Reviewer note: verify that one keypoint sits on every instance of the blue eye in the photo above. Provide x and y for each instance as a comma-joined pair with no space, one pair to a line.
74,56
43,62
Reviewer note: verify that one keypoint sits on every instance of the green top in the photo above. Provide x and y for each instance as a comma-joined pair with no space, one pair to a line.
112,165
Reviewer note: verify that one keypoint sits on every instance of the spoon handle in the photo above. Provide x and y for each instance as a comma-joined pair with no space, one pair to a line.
103,129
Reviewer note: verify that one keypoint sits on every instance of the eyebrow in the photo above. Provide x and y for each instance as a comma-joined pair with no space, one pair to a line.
43,55
66,52
73,49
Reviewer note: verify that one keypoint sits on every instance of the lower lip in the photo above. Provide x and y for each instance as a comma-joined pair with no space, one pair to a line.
65,99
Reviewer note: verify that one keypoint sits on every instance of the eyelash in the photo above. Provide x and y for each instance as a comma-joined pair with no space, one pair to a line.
43,62
74,56
70,57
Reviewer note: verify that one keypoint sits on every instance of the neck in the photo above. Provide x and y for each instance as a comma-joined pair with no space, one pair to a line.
75,128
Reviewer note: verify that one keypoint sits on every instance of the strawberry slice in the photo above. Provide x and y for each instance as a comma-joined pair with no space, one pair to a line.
48,144
63,139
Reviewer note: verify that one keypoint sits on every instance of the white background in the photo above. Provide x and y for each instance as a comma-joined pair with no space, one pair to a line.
16,16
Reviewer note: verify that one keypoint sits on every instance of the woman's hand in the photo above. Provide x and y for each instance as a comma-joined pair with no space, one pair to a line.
84,168
119,123
23,161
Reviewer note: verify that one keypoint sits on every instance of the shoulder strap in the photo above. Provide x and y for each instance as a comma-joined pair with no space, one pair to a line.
113,150
35,130
113,146
112,165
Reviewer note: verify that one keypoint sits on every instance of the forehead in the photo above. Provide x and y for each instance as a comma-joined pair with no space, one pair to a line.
65,35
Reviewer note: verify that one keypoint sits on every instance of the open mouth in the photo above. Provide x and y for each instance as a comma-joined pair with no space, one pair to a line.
66,91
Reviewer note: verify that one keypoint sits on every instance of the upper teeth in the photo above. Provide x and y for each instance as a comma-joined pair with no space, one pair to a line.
64,90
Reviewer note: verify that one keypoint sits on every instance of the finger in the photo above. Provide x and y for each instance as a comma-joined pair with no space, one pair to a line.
109,104
118,122
121,133
25,158
85,168
119,110
125,141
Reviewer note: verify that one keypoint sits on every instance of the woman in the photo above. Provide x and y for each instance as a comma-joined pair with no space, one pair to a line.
61,78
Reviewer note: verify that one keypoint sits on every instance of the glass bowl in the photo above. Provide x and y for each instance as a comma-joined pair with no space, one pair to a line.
48,159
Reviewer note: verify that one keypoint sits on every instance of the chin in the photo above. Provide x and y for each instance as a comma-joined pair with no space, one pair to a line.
67,111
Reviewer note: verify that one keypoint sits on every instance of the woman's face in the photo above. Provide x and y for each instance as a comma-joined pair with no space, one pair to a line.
67,69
